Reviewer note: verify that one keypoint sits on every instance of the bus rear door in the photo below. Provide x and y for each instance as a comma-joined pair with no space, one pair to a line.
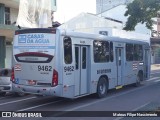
119,64
81,70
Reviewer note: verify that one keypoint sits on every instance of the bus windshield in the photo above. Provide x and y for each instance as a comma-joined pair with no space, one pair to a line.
34,47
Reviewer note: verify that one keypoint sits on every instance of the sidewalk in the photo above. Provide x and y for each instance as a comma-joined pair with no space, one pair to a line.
155,67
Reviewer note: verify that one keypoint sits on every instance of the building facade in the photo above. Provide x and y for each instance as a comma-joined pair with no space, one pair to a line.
104,5
155,40
8,16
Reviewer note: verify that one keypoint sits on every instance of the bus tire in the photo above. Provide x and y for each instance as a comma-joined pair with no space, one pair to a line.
19,94
2,93
102,87
139,79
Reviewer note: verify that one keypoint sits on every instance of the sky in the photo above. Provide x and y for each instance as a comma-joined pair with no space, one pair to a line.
67,9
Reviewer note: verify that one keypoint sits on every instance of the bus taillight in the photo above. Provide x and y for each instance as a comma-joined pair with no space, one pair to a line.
55,78
12,75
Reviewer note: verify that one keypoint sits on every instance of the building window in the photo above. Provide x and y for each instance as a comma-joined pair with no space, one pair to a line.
67,50
55,2
7,16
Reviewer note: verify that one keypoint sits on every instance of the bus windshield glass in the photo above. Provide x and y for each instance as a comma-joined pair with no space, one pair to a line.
34,47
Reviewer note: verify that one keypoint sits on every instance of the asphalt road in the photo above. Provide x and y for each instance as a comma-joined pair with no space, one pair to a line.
128,99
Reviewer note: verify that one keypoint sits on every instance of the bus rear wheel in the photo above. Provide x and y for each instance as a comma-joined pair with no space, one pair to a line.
102,87
139,79
2,93
19,94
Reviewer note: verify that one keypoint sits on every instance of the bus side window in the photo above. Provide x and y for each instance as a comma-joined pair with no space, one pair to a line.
101,51
129,52
67,50
84,58
111,52
138,52
77,57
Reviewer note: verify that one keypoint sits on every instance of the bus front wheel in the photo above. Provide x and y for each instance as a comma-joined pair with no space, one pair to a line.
102,87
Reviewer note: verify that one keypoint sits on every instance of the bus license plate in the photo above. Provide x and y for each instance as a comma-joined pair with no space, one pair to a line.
31,82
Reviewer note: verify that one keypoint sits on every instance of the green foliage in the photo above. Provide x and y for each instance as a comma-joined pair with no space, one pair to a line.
141,11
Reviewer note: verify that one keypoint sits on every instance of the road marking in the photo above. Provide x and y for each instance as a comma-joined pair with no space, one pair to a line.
154,73
157,81
29,108
118,118
104,99
17,101
155,78
85,105
141,106
2,97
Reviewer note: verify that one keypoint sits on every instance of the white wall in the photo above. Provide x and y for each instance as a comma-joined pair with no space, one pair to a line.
117,33
85,21
118,14
14,14
8,59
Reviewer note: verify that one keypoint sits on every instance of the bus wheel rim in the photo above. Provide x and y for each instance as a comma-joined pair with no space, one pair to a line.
102,88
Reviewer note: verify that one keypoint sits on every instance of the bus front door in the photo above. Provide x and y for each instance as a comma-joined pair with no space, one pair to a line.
119,65
81,70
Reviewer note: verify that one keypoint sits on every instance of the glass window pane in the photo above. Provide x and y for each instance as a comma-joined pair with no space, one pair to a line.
101,51
111,52
67,50
77,57
84,58
7,16
138,52
129,52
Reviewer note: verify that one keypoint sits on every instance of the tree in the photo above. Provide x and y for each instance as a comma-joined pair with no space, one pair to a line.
141,11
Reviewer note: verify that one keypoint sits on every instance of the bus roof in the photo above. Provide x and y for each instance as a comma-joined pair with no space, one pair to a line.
35,30
100,37
71,33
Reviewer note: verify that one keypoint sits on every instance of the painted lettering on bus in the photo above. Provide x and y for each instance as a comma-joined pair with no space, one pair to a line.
82,42
44,68
68,68
45,41
33,38
119,45
102,71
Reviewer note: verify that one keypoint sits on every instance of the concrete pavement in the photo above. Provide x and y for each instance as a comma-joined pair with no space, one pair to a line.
155,67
